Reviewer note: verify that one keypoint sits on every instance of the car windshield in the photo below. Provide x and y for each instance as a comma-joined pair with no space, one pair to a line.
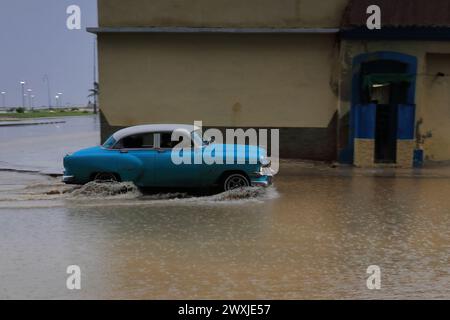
109,143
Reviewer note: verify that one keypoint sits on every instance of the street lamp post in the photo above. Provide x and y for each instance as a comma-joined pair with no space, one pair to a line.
60,99
22,83
32,101
57,101
29,97
4,99
46,79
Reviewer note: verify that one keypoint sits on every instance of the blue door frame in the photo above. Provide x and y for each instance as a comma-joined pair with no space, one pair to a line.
362,116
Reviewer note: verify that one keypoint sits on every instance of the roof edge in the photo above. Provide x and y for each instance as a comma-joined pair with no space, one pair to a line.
397,33
257,30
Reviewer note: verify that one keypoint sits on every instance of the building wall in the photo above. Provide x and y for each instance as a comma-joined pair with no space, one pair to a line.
236,80
432,94
437,116
275,81
298,83
221,13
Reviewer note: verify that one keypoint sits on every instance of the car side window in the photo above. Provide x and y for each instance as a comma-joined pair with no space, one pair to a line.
165,140
138,141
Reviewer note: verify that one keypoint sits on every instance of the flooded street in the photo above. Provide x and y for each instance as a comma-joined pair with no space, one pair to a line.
42,147
310,236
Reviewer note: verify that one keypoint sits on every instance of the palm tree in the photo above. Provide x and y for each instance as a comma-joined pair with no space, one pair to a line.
94,93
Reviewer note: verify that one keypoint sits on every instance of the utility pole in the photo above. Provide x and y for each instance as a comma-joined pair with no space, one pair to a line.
95,79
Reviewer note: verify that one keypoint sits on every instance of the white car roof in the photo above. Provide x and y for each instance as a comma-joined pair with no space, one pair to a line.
152,128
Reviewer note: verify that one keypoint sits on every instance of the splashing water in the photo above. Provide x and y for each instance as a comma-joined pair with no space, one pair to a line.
128,190
167,196
240,194
107,189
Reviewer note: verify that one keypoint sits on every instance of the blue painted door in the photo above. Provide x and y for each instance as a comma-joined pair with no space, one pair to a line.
365,115
406,121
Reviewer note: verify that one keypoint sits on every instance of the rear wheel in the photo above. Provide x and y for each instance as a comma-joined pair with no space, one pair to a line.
105,177
235,181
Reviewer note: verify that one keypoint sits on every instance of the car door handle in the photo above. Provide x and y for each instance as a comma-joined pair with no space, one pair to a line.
123,151
161,150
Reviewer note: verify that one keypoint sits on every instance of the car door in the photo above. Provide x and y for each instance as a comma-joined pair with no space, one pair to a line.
142,148
169,174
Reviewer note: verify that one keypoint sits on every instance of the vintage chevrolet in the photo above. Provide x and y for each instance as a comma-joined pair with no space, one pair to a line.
144,155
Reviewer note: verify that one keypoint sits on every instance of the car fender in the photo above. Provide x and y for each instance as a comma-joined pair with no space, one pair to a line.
127,166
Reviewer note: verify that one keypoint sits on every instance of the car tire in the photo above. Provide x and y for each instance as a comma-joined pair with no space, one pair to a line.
235,181
105,177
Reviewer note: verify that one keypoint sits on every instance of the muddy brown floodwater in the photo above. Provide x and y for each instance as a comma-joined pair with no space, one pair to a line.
312,236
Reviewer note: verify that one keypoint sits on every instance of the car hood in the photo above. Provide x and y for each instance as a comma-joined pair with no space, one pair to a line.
89,151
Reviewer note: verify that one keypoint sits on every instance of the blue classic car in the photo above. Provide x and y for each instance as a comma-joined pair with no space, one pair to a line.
144,155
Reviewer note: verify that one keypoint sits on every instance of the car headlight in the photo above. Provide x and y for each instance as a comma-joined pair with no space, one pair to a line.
265,162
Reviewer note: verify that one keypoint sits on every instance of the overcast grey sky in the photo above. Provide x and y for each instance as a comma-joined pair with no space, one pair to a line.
35,41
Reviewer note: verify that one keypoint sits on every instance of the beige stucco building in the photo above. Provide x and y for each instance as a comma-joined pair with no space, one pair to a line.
336,90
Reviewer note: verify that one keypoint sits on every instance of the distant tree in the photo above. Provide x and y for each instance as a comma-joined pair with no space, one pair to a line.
20,110
94,93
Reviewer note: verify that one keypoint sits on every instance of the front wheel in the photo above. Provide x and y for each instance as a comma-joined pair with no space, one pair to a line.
235,181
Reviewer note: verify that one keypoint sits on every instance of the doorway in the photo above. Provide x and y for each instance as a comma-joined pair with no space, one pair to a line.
386,134
385,85
382,113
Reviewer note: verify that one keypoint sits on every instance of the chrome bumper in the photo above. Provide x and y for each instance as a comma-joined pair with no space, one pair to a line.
263,177
263,173
261,183
68,179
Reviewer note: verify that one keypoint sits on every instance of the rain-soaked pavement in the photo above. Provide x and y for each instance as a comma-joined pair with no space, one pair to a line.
312,235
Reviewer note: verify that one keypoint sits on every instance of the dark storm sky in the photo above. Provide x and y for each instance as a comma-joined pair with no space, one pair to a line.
35,41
